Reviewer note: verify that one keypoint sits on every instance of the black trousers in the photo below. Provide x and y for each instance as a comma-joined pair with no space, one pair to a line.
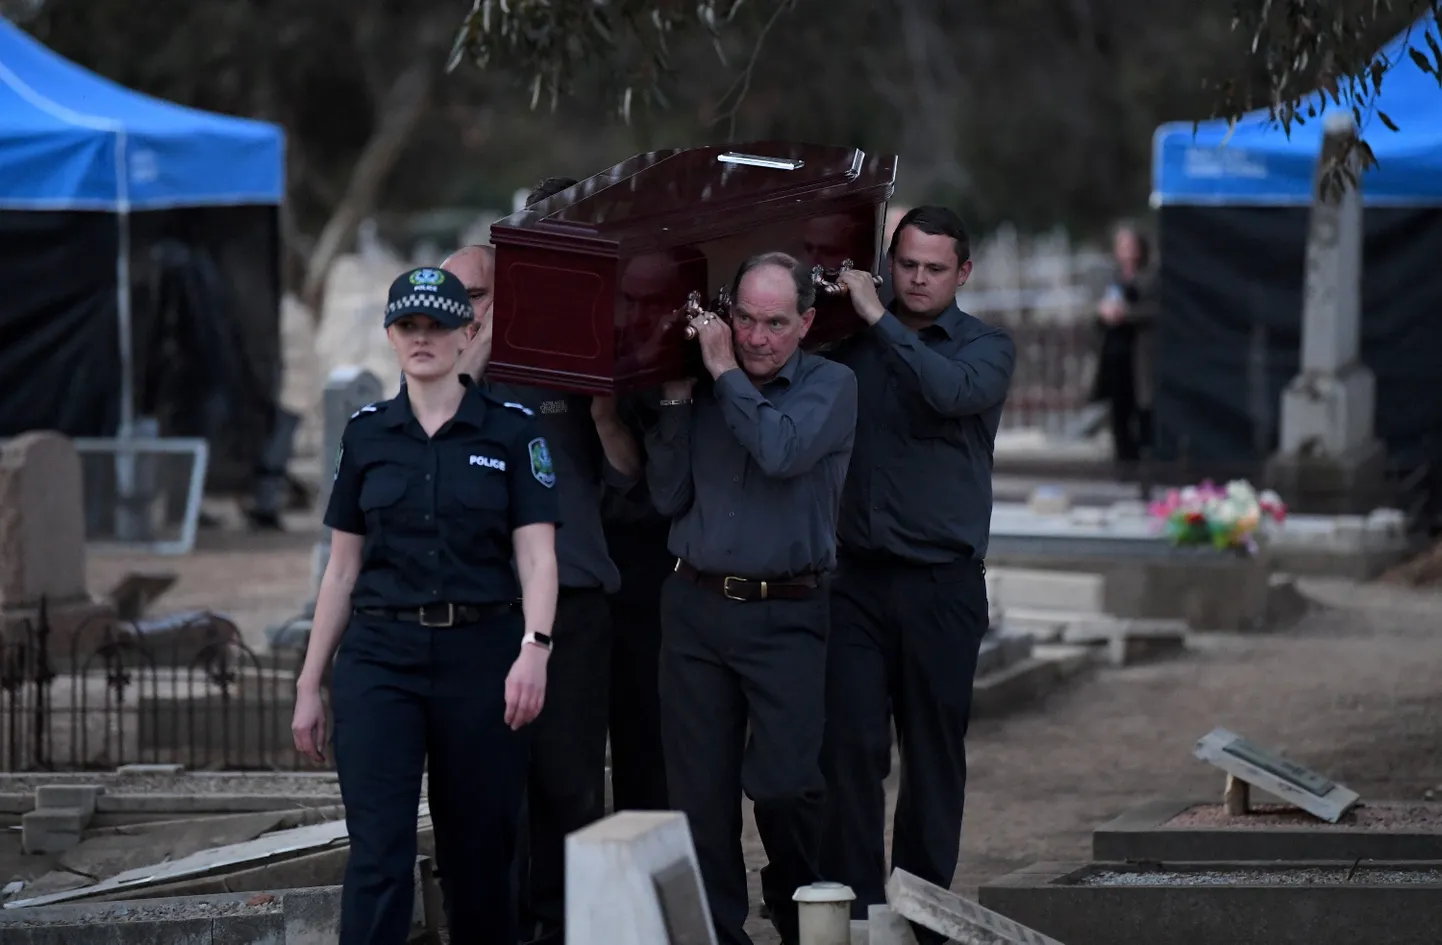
638,768
726,665
567,786
405,696
904,641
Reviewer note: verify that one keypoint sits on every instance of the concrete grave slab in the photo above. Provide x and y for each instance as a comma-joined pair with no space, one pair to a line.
1286,903
633,877
961,920
1193,831
885,926
1257,766
1026,682
1053,590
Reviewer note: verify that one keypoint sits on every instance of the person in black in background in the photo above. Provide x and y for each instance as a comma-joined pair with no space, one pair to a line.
595,454
751,474
1125,318
436,490
908,606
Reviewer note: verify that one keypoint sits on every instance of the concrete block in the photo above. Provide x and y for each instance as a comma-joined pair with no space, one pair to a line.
150,769
1173,832
633,877
52,831
886,927
1028,681
1273,903
79,796
943,911
860,933
1052,590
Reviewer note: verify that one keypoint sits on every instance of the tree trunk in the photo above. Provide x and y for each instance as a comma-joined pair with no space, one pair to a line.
404,105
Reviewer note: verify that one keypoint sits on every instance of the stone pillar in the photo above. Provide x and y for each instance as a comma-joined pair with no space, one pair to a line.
1329,459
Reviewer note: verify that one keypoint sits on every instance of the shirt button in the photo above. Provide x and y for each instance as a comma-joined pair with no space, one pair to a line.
428,477
428,518
433,554
435,593
731,514
735,478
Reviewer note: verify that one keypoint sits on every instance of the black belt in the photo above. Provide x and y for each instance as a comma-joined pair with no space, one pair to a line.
731,587
439,615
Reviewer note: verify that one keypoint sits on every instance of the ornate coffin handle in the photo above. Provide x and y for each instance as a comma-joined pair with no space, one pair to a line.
695,307
825,280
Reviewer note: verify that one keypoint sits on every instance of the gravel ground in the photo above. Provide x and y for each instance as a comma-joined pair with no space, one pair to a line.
287,784
1297,877
1395,817
151,913
1351,692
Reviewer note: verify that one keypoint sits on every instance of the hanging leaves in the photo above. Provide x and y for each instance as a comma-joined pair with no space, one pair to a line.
1305,50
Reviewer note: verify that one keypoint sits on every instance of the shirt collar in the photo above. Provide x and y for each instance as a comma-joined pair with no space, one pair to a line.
787,374
397,412
949,322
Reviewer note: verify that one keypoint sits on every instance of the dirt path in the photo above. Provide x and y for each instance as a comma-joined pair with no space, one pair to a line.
1354,692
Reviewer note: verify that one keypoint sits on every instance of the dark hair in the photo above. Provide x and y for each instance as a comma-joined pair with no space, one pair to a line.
800,276
549,188
1144,243
934,221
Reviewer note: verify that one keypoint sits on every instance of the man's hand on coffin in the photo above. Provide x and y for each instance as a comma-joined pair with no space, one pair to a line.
718,347
862,289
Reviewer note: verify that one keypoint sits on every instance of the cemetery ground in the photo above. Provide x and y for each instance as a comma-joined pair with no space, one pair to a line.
1350,691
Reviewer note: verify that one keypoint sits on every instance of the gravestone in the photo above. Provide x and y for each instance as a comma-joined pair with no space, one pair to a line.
633,877
961,920
42,538
1251,764
347,390
1329,459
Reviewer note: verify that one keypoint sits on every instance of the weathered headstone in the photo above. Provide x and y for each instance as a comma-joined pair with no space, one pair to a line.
1329,459
633,877
961,920
347,390
42,541
1261,768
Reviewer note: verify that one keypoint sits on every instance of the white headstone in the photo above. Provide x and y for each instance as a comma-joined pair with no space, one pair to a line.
1328,408
633,878
961,920
1276,775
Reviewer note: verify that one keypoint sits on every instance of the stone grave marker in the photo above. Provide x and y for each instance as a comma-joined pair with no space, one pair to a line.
961,920
1247,763
42,521
348,389
633,877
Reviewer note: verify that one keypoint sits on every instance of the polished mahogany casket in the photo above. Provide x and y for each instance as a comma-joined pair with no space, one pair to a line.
591,283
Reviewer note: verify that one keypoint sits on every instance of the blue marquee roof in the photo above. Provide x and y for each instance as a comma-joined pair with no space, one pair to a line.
1260,165
72,140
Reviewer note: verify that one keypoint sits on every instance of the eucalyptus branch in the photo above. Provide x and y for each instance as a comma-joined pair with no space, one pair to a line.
742,85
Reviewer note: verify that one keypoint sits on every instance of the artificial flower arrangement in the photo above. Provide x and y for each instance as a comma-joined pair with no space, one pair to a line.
1227,518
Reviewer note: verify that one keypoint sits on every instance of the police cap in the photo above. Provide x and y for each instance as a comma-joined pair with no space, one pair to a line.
432,292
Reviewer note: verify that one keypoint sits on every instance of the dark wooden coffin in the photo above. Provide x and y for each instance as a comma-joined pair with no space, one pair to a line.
589,283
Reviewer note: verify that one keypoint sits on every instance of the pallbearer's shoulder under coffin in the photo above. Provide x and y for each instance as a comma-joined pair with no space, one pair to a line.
590,281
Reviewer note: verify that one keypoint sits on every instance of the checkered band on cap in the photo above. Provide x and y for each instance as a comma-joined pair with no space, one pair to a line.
424,300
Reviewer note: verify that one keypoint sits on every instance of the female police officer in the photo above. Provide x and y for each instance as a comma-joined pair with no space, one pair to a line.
434,492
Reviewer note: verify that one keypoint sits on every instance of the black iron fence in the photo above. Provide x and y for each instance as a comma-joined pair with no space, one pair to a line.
183,689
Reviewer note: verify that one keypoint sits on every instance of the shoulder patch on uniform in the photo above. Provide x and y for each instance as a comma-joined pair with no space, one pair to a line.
521,407
368,408
339,454
541,466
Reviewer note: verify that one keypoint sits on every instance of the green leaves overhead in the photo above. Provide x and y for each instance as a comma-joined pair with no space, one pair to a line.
1300,47
553,42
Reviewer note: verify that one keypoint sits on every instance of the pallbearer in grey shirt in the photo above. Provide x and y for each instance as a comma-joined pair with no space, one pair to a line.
908,608
751,472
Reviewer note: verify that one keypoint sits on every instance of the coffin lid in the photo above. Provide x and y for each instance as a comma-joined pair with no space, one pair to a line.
662,197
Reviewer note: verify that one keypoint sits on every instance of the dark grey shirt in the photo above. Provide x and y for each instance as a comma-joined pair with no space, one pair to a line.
583,476
919,486
752,478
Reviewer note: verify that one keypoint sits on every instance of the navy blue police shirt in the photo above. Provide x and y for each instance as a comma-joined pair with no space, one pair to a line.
438,512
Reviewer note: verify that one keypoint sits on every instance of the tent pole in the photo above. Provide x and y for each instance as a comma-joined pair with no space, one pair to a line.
126,525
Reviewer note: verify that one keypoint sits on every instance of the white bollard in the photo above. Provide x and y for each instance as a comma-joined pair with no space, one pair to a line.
824,911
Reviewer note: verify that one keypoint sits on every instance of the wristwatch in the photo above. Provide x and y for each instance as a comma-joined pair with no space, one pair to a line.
543,640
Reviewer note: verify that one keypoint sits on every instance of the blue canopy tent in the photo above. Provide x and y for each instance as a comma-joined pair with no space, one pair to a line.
1233,208
183,207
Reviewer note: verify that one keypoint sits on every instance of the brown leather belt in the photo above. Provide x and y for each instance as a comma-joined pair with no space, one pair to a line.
748,589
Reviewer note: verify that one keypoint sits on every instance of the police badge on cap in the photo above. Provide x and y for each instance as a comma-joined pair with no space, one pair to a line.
433,293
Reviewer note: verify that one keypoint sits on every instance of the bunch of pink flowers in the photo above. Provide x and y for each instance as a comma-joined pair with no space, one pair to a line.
1227,518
